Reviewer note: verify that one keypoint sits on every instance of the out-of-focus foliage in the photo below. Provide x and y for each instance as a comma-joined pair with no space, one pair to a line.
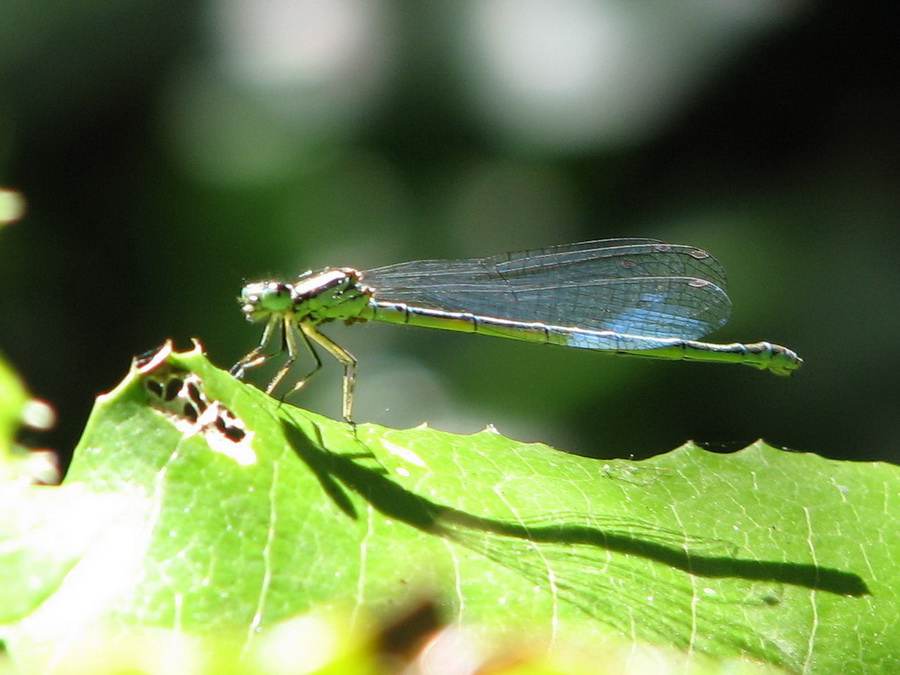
168,151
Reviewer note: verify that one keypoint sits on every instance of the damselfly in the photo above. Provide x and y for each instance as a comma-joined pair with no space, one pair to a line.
639,297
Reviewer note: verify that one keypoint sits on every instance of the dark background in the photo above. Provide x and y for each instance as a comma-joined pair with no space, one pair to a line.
168,151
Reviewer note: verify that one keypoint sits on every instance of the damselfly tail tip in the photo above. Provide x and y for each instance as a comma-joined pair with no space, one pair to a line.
783,361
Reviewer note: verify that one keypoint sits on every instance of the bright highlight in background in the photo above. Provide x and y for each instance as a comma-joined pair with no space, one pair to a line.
279,43
569,73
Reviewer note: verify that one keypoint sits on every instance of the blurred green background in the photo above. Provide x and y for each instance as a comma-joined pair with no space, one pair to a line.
168,151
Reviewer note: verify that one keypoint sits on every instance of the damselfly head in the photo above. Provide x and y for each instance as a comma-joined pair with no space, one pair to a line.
262,298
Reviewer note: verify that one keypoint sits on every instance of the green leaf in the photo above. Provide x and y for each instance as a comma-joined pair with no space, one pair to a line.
13,399
18,410
202,505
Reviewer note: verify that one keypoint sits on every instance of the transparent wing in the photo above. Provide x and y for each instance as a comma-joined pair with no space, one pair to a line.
640,287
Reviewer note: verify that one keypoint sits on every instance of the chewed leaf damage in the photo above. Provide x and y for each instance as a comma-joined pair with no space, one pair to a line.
179,395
